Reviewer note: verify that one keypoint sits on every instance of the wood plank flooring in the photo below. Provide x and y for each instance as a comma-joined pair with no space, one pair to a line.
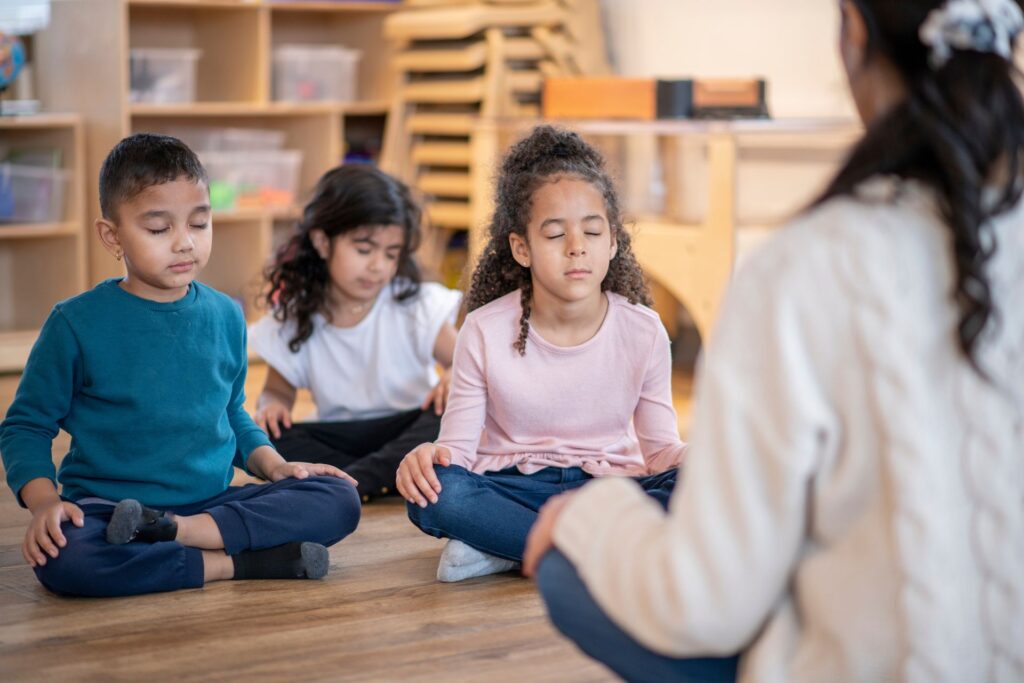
378,616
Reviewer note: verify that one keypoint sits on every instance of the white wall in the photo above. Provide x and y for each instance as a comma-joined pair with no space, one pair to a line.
792,43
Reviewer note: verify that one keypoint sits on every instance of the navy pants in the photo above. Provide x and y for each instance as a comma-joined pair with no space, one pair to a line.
494,511
574,613
318,509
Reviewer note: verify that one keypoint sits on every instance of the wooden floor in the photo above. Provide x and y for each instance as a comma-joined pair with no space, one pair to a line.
378,616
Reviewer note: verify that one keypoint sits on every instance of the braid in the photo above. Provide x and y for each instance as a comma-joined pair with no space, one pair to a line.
524,320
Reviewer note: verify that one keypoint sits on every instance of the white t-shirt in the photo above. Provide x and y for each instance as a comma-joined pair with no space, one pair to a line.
381,366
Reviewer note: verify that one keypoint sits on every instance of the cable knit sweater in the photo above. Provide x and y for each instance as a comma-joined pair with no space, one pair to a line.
853,506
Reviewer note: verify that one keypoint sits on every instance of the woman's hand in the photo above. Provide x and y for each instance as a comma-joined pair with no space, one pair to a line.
43,536
416,479
542,534
272,417
438,396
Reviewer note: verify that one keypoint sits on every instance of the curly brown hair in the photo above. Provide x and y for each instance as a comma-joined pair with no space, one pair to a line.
346,198
546,153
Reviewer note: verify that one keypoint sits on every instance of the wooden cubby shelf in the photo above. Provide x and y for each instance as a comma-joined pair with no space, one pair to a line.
329,6
201,109
28,231
235,40
41,263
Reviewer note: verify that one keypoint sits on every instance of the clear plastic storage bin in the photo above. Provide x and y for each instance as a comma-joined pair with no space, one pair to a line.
254,179
32,194
315,72
230,139
163,75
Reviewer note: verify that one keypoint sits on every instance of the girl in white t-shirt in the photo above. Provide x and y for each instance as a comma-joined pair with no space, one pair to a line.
367,355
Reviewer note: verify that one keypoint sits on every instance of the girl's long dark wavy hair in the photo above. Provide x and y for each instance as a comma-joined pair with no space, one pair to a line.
346,198
548,152
958,125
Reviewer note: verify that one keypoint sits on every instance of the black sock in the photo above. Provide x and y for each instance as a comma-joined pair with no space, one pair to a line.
288,561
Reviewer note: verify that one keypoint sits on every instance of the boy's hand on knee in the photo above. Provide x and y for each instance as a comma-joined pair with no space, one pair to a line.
416,479
44,536
301,470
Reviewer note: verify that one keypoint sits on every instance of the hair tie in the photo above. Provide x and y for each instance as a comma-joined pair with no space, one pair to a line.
987,26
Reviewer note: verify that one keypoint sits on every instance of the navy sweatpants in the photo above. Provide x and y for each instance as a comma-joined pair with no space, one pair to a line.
318,509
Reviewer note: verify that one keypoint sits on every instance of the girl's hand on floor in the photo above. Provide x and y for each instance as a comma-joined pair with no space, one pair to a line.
542,534
44,536
273,417
415,477
301,470
438,396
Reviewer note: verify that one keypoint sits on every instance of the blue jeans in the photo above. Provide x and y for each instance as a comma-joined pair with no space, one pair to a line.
318,509
574,613
494,511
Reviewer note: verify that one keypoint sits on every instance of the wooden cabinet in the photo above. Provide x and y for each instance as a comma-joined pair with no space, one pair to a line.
83,62
41,262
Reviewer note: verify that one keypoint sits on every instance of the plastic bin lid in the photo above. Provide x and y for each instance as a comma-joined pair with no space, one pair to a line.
266,155
296,50
25,170
167,52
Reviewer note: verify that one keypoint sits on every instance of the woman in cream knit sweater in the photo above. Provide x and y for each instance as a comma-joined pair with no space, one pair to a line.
853,498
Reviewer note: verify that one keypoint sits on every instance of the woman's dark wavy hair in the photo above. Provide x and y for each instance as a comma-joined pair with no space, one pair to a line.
958,125
545,154
346,198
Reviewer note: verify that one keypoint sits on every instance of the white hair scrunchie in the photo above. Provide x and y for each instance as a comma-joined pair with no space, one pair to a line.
977,25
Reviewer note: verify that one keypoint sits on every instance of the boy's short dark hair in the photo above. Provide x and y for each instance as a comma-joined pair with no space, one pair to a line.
143,160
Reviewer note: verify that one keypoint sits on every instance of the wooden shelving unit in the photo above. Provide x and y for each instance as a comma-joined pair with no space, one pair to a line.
41,263
90,74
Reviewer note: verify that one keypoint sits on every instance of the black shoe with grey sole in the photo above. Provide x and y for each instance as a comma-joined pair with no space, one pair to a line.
133,521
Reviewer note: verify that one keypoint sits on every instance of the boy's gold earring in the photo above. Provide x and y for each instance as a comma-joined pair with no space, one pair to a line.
118,254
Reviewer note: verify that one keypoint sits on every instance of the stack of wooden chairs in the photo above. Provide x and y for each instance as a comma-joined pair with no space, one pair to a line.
460,60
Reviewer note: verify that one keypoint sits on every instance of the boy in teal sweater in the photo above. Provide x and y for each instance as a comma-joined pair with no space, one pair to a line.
147,375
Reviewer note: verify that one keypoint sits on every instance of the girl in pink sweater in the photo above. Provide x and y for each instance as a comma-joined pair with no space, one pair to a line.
561,373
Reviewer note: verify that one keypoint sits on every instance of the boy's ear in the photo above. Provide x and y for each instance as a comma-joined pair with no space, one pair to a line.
109,237
520,249
320,242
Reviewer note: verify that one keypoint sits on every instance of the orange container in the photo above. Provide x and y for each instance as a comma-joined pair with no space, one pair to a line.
599,97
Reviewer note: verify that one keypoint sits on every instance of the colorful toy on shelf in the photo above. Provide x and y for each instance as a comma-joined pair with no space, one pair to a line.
12,60
248,167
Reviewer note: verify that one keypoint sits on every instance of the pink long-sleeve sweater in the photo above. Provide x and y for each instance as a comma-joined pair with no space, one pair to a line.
604,405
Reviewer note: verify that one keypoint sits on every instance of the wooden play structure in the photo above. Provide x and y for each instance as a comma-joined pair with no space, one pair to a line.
460,62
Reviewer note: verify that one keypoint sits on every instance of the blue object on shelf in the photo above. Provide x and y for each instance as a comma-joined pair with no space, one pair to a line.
12,59
6,197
